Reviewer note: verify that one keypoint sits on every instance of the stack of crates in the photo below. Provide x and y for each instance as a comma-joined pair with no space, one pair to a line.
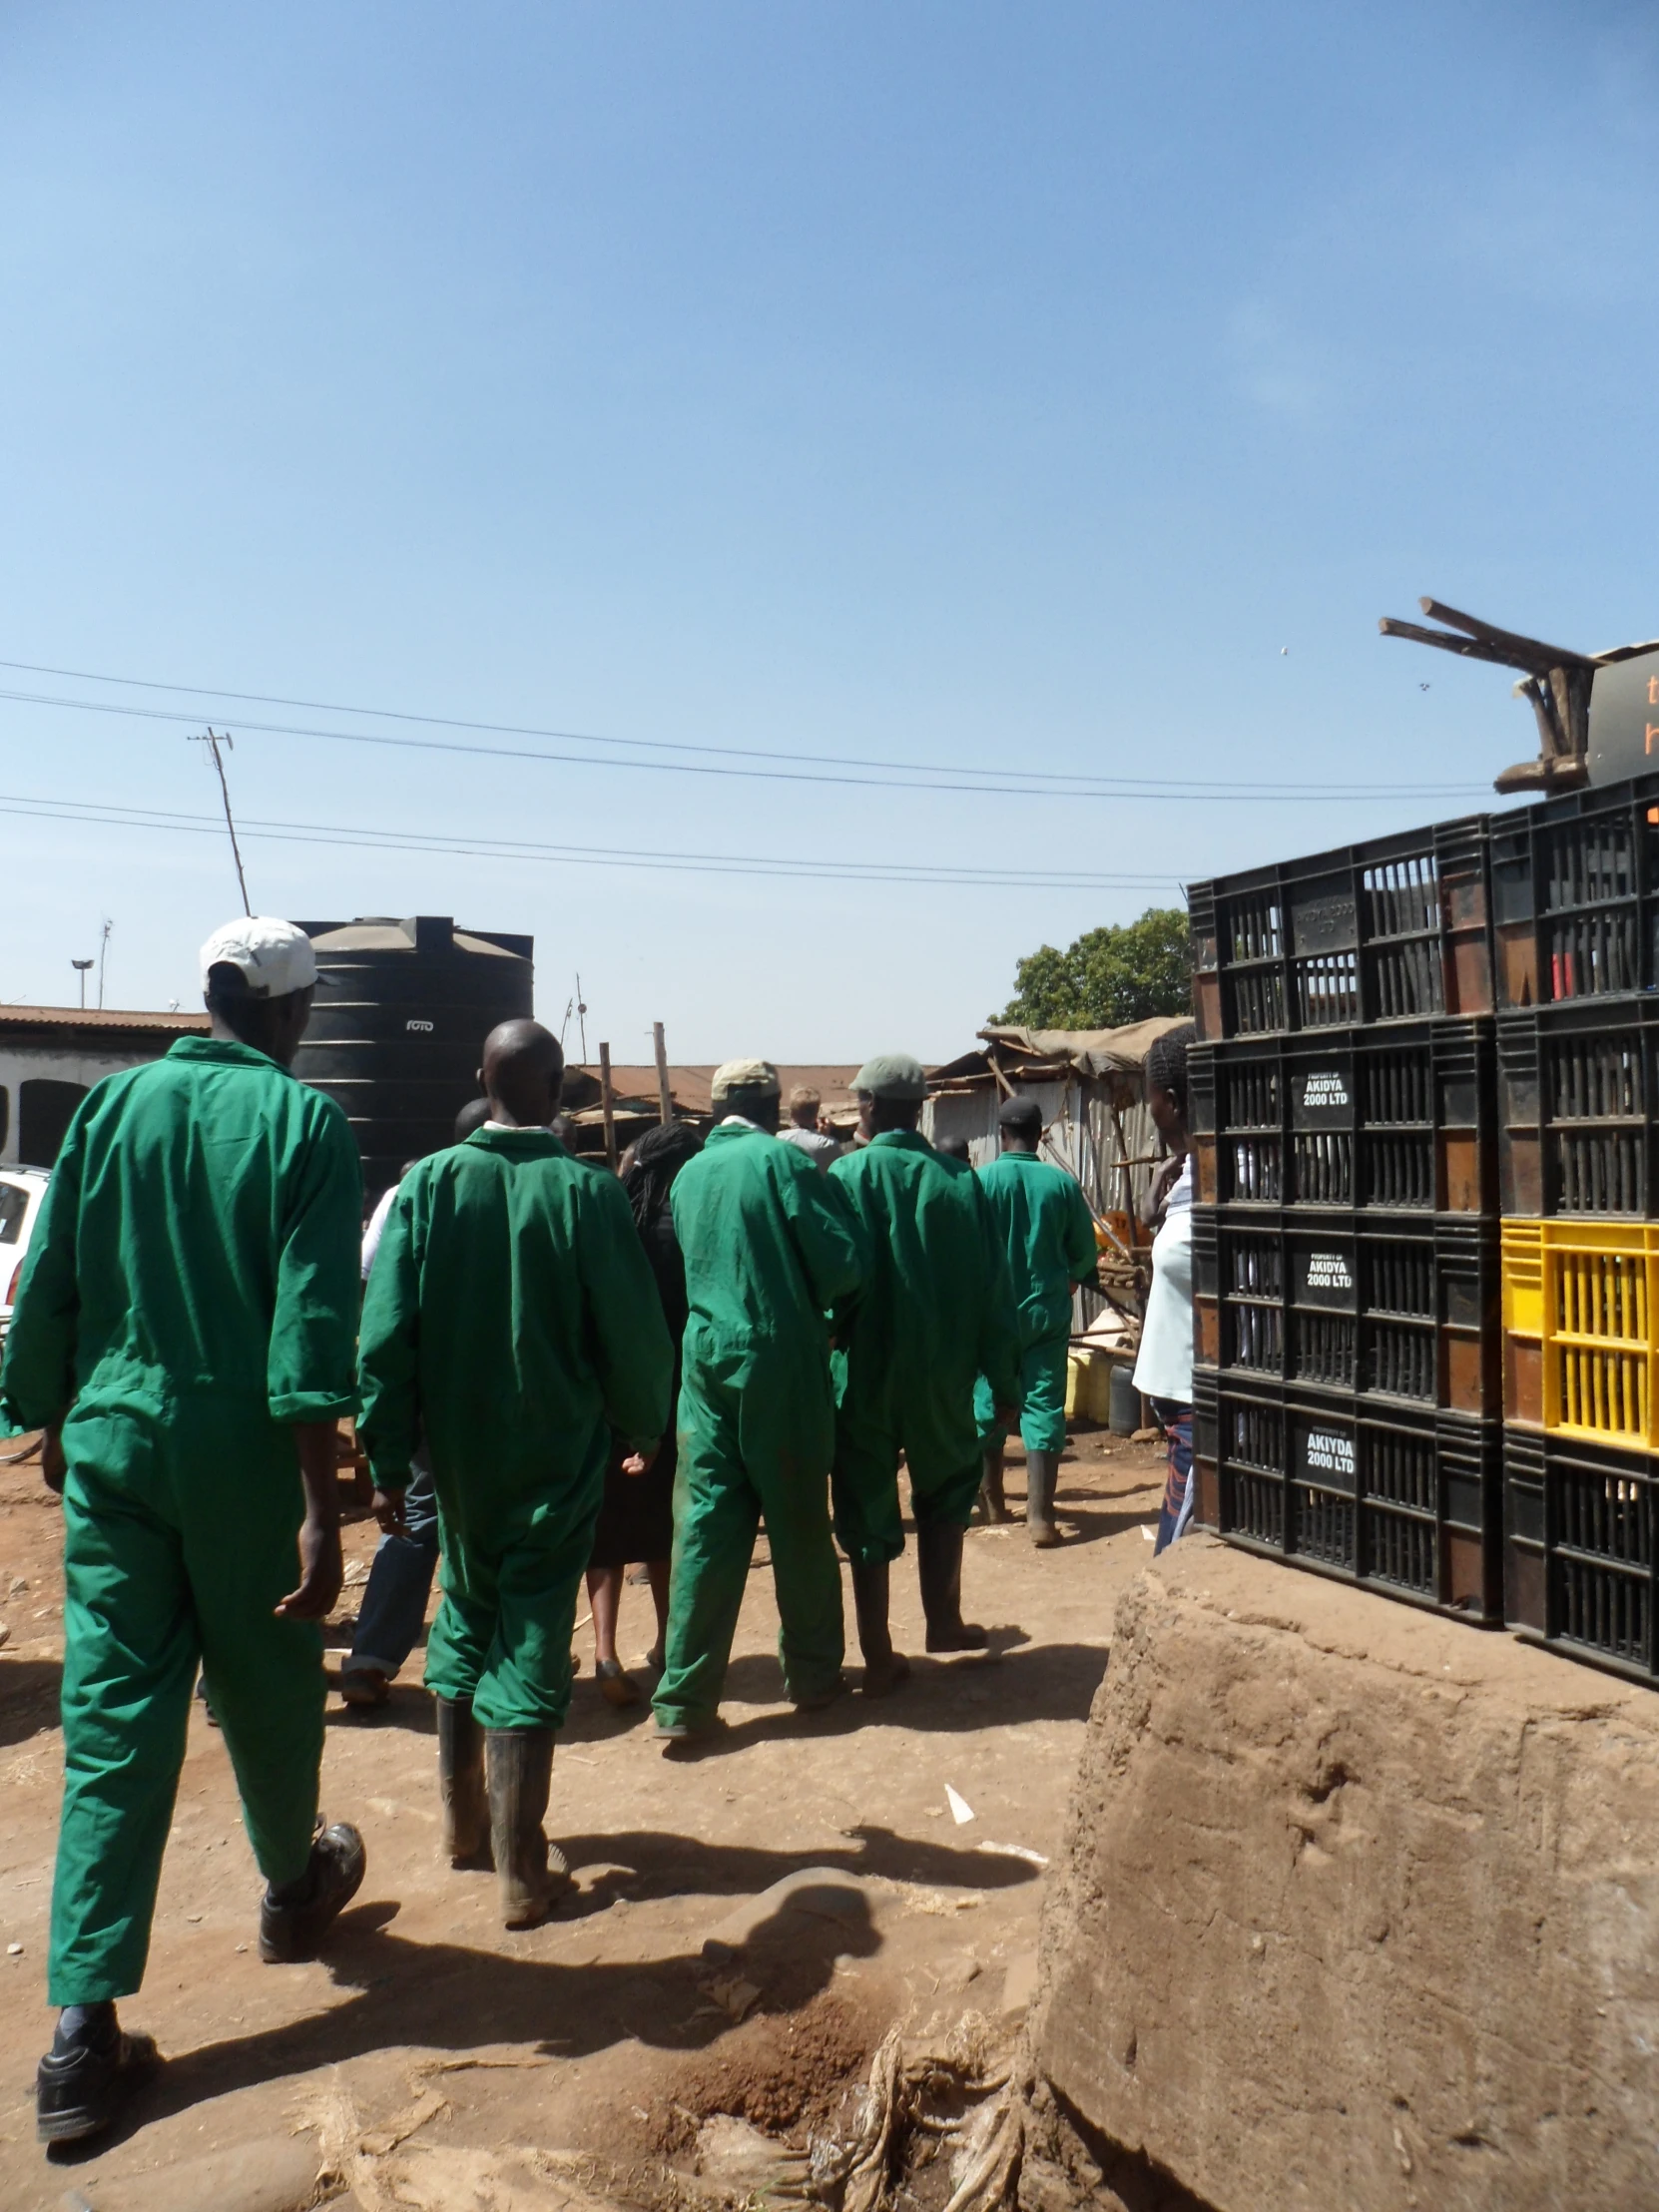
1348,1379
1575,886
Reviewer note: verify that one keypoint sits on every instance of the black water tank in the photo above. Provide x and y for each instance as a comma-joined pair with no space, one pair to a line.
399,1023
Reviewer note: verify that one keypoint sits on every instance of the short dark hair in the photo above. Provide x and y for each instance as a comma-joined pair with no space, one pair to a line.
227,986
1166,1061
1021,1113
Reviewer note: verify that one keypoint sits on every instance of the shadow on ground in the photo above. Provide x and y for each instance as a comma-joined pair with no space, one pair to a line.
448,1998
28,1697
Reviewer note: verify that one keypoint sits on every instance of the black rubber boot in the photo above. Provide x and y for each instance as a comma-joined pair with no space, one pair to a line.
85,2078
463,1792
529,1871
1043,1470
993,1506
939,1560
294,1922
885,1668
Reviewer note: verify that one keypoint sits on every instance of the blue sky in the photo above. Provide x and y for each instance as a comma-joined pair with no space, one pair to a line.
983,387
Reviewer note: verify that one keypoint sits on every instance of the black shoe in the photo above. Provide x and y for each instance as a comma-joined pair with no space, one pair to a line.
80,2092
293,1930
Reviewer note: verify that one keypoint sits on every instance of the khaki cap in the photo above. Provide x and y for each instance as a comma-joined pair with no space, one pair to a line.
755,1077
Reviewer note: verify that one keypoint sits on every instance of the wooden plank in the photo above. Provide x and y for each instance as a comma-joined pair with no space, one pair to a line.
665,1099
1530,652
607,1100
1469,648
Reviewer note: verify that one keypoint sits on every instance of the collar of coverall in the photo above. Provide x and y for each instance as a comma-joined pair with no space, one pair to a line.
227,1051
902,1140
501,1136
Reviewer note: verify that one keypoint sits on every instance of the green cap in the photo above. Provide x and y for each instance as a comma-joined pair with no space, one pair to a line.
893,1075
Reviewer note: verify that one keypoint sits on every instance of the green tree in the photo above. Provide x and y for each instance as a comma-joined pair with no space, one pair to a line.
1126,971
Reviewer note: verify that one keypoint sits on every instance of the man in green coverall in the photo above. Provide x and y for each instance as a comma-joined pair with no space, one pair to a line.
935,1312
769,1246
184,1332
1048,1233
511,1310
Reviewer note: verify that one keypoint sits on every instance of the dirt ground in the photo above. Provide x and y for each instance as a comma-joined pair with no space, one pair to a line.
440,2060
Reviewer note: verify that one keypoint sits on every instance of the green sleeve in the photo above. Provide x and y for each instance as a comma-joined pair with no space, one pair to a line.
308,1372
629,1343
1082,1253
37,1385
829,1235
999,1316
388,1354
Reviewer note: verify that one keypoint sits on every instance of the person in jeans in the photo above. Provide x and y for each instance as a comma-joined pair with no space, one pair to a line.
393,1610
1164,1370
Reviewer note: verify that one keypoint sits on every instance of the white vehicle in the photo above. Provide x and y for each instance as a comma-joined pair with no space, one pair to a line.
21,1193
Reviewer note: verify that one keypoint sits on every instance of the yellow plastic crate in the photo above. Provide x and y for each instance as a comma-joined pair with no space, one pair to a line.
1579,1350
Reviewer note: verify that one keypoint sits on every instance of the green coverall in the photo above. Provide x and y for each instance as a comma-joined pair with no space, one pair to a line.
189,1293
768,1246
936,1311
1047,1232
511,1309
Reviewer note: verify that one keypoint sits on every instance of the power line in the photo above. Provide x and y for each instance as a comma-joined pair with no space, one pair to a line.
93,813
807,768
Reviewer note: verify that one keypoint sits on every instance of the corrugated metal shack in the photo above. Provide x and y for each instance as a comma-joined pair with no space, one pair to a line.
1090,1087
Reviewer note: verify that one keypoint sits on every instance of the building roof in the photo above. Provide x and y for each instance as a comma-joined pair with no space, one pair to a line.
102,1021
1053,1055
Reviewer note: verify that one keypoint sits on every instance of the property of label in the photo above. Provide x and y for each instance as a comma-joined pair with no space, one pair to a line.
1328,1450
1325,1089
1328,1271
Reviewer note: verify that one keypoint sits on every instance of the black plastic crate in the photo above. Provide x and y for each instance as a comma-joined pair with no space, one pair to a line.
1406,1503
1402,1310
1578,1095
1394,929
1575,895
1400,1118
1579,1550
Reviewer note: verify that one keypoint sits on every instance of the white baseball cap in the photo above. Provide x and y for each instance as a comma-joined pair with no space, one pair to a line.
274,957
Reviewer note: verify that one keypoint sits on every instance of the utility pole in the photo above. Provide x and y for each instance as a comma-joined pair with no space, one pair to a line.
102,949
607,1100
665,1098
581,1021
81,967
213,741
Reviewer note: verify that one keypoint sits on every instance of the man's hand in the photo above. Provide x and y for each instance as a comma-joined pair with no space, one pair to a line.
1152,1206
321,1570
388,1508
53,1465
1008,1417
641,1462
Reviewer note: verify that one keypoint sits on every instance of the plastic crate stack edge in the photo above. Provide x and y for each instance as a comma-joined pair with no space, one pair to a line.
1348,1373
1575,899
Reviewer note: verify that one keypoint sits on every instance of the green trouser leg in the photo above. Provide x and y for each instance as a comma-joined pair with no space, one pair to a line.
1042,1394
989,1429
931,1416
179,1542
762,1450
501,1639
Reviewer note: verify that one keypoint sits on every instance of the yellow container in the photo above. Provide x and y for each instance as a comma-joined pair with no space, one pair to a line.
1579,1350
1077,1384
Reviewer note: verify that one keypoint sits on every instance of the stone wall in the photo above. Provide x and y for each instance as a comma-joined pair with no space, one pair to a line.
1358,1908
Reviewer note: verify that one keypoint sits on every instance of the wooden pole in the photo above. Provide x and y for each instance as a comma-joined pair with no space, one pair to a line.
665,1102
607,1099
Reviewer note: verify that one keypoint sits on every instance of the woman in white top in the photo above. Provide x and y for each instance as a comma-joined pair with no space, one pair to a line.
1164,1370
